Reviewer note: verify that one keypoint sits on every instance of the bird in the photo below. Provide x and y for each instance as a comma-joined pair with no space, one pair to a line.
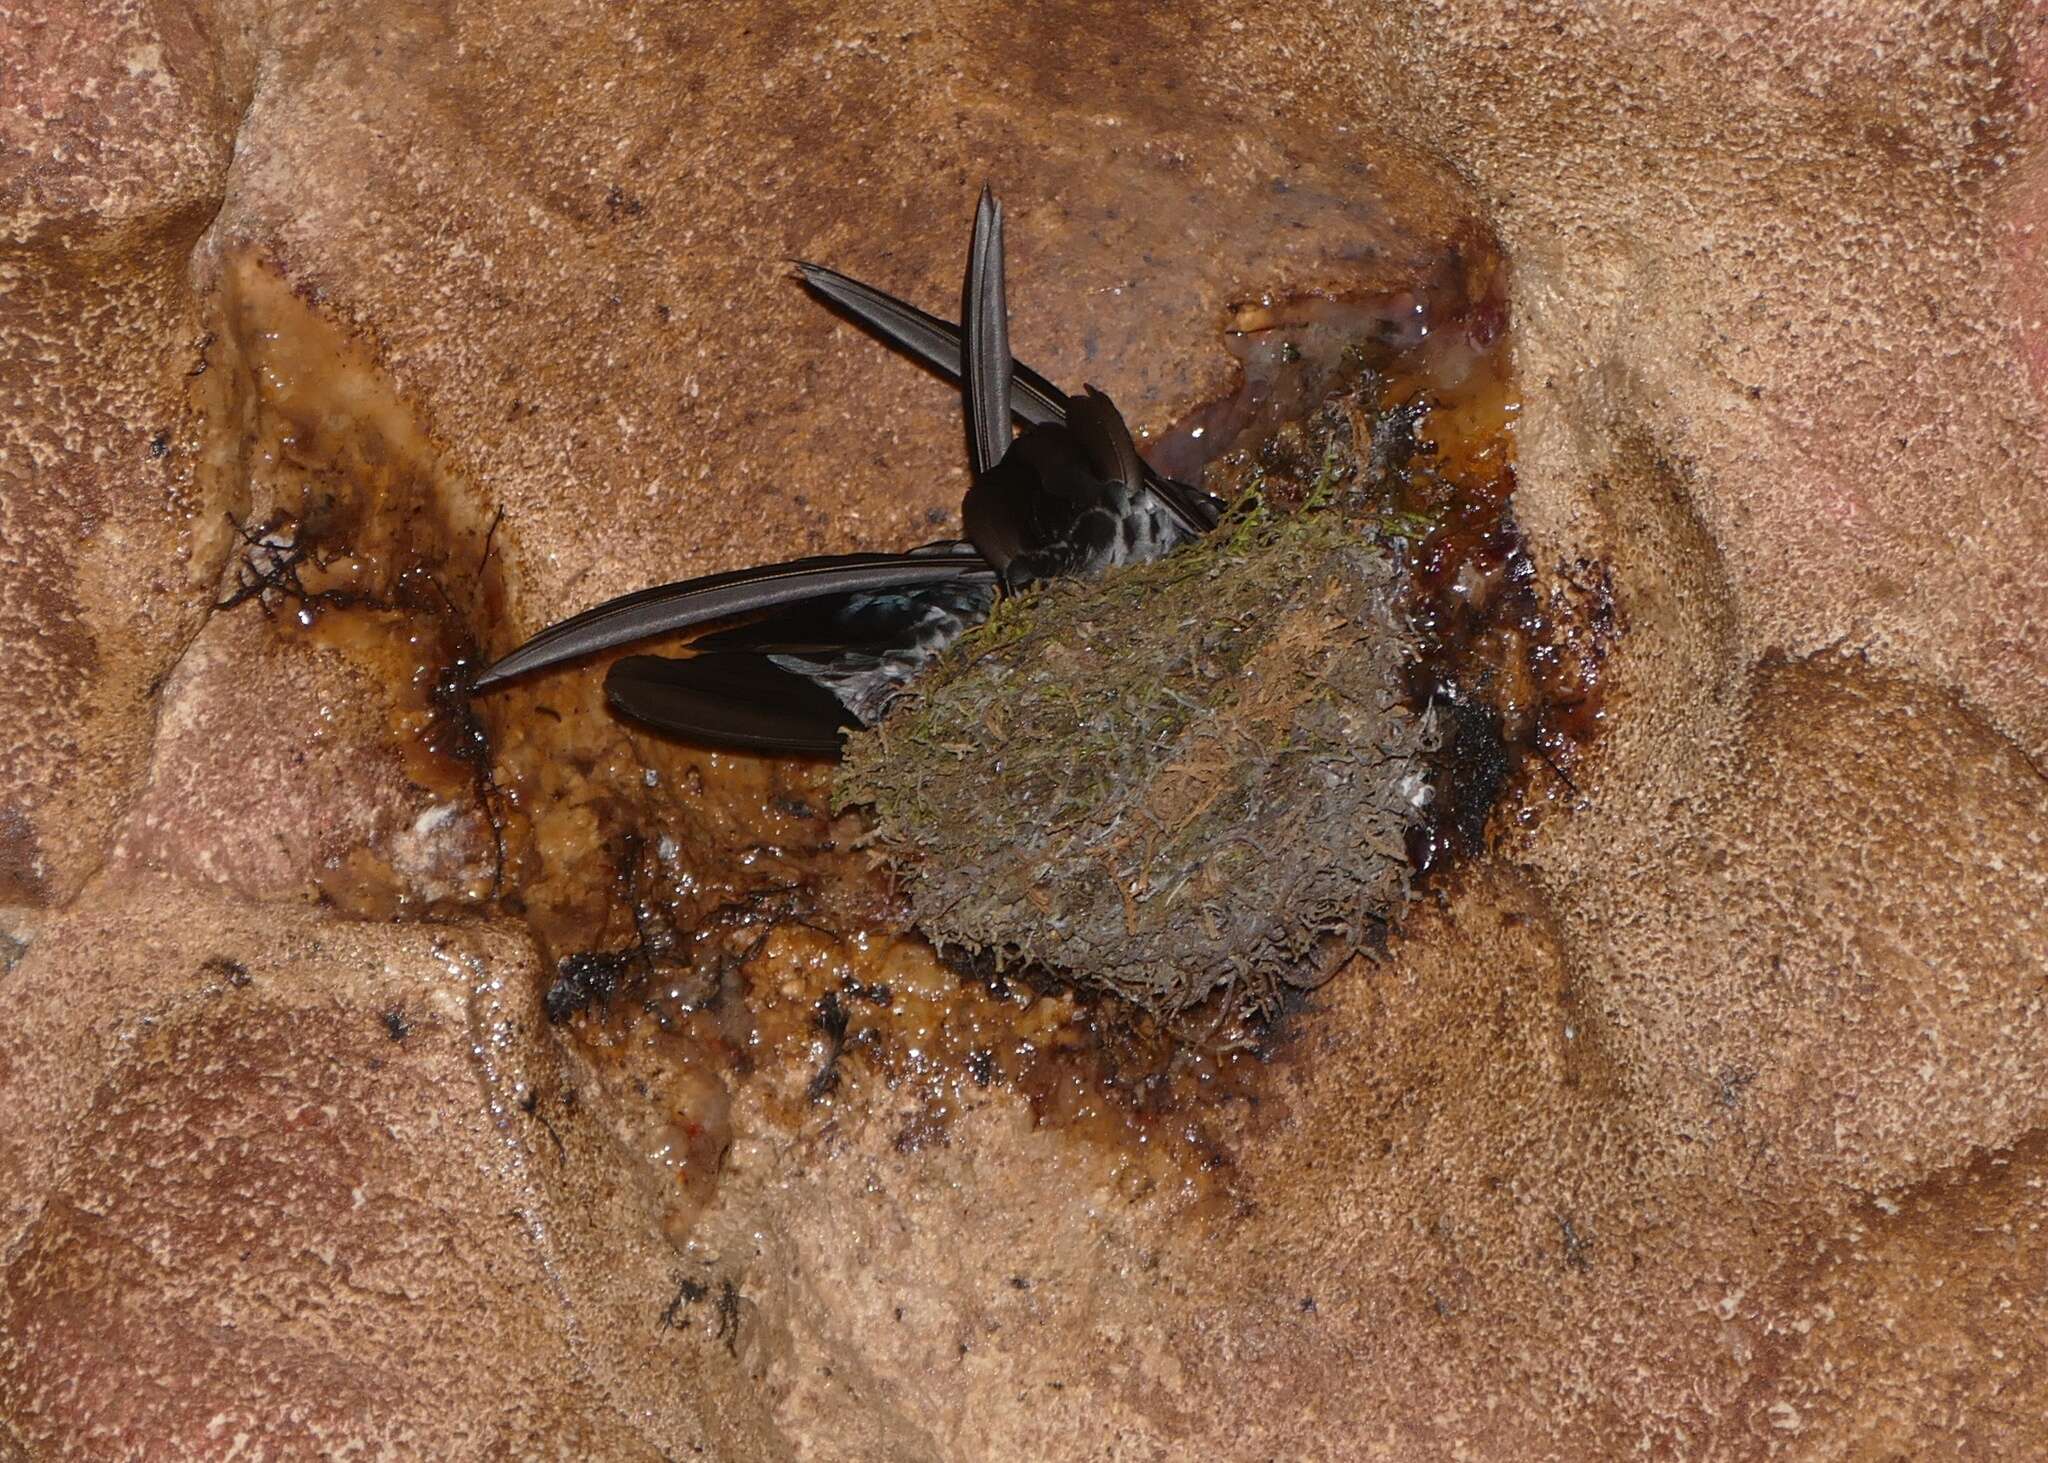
829,641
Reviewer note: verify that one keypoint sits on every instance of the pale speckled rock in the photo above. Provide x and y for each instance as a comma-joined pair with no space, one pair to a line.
1703,1123
275,774
116,127
269,1177
1775,249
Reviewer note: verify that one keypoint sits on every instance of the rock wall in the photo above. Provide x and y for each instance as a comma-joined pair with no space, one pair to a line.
1702,1122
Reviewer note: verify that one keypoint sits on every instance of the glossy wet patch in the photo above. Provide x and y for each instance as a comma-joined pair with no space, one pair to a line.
1412,396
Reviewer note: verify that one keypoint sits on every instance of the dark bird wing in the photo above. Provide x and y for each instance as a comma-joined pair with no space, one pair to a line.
793,679
1063,499
731,700
672,607
985,331
1034,400
1105,440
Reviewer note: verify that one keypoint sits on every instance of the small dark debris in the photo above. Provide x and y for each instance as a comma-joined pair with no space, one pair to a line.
831,1019
1308,1305
269,571
925,1128
234,972
529,1101
981,1066
688,1293
583,979
1578,1248
554,1133
729,1317
1473,762
490,539
618,203
1731,1085
1018,1282
160,445
395,1024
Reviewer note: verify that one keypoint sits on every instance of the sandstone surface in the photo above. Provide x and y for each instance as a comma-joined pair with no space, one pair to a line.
1702,1119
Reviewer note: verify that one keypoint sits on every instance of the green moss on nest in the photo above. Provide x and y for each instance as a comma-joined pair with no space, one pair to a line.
1188,783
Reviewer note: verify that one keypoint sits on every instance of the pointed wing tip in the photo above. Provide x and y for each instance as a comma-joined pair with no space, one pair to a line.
625,675
626,668
828,284
988,212
497,673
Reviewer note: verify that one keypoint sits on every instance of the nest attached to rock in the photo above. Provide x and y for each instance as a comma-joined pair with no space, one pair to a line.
1189,783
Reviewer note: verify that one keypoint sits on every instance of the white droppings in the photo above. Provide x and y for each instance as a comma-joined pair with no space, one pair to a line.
432,818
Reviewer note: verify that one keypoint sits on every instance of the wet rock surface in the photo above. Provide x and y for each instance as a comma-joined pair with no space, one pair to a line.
1703,1120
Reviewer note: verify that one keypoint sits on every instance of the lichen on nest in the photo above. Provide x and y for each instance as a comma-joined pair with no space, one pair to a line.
1189,783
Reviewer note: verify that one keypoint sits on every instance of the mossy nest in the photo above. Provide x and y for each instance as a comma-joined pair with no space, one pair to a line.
1189,783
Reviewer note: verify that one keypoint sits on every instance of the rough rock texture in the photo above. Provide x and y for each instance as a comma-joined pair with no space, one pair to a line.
117,130
270,1182
1705,1122
322,794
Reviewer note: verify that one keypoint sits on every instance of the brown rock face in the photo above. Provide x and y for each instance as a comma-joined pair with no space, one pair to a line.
1702,1121
118,130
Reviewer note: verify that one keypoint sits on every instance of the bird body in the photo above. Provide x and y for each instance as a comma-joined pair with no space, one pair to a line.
832,640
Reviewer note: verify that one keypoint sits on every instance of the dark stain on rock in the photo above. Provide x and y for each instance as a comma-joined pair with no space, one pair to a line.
222,967
688,1293
20,858
729,1316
